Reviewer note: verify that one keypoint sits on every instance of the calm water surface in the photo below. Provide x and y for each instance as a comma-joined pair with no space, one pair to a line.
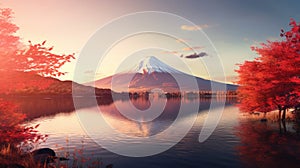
235,142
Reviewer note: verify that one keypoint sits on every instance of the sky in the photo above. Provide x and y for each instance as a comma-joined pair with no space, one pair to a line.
223,31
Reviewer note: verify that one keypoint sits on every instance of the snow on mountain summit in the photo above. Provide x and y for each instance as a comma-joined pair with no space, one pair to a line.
152,64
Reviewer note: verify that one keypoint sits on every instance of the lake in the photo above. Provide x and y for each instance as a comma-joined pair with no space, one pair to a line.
239,140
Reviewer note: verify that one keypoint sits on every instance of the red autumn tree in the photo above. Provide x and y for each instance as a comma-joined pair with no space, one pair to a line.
36,58
271,81
8,41
11,132
15,59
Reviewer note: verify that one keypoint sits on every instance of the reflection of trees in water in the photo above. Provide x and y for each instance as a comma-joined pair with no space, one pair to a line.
141,103
35,107
269,144
296,123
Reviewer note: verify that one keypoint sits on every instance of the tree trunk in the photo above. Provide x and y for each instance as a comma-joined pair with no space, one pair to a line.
280,128
283,114
279,114
284,125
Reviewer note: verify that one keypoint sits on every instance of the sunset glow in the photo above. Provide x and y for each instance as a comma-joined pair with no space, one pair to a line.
143,84
67,25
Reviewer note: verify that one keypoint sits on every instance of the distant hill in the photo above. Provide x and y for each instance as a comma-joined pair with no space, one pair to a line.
29,84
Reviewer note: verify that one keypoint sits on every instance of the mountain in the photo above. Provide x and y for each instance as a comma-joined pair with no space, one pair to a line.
152,73
14,83
152,64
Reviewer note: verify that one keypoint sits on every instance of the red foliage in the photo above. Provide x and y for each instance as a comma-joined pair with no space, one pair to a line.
272,80
34,59
8,41
37,58
15,59
11,129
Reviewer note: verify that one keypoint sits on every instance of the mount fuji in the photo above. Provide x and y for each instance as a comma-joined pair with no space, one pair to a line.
151,73
153,65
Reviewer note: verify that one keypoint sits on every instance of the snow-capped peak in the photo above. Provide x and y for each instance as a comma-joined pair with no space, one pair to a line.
152,64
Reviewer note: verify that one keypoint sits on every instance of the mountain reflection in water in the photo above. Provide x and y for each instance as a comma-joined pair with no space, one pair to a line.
240,140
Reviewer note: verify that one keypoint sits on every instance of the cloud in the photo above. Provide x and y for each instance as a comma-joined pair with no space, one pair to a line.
195,55
194,27
192,48
181,40
169,52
